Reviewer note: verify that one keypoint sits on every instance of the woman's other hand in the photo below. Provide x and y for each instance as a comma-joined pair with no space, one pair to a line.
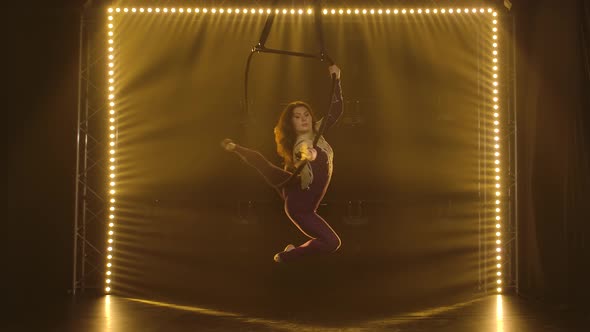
334,70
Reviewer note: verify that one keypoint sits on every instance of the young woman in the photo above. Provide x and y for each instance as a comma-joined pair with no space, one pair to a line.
294,135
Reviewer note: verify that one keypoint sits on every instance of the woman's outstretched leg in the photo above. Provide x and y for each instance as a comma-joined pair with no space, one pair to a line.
271,173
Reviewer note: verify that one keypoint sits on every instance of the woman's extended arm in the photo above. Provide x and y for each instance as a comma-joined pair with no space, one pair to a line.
336,108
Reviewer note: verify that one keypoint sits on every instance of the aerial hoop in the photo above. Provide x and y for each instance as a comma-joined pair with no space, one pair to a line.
322,56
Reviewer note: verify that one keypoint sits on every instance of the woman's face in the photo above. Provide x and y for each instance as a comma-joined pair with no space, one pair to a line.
302,120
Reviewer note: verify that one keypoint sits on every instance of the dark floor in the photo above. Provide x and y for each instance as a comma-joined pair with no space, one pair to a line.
112,313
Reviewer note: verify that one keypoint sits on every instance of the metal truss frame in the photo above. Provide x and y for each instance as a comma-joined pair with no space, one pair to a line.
91,152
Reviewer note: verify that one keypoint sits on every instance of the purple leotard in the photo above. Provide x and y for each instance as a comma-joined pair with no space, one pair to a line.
301,203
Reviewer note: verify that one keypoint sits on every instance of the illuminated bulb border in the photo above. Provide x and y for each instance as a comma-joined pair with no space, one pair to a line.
495,110
300,11
112,151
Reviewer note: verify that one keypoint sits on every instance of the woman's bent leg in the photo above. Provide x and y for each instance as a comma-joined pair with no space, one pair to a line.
323,238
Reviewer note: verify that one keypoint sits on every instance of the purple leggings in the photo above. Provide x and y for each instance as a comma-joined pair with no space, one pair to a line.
300,205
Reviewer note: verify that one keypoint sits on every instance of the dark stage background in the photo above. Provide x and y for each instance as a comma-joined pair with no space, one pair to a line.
40,61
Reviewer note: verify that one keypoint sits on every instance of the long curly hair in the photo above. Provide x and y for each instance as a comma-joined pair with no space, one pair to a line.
285,134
